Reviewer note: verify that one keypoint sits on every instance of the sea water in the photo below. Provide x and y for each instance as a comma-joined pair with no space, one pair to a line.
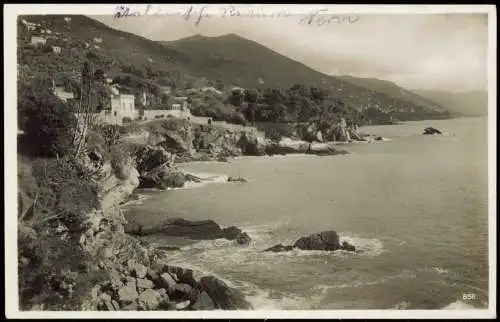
415,206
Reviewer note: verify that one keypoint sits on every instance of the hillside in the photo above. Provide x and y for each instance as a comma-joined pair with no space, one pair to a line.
242,62
392,90
140,64
473,103
119,52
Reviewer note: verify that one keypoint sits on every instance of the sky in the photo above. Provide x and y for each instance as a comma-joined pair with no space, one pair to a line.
446,52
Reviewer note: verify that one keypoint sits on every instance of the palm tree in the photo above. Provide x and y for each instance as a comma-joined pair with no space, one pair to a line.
86,103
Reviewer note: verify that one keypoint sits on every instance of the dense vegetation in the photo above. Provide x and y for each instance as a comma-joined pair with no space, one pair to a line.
141,66
47,123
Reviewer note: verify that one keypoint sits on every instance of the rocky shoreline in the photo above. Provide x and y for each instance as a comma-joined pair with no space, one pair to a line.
138,275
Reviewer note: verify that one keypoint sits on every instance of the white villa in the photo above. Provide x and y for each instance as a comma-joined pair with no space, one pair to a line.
123,106
211,89
166,89
56,49
61,93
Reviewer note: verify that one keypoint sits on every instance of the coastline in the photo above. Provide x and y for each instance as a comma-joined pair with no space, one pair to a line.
125,193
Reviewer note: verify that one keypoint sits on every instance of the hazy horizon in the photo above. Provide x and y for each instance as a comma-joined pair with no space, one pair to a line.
441,52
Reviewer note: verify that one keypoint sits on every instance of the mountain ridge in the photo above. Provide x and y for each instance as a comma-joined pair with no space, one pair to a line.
463,103
230,58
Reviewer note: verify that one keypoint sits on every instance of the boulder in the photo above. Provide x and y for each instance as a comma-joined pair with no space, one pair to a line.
250,144
139,270
152,274
127,294
431,131
324,149
231,232
279,248
223,296
182,305
355,135
108,306
287,146
163,177
167,282
196,230
149,300
203,303
130,307
175,142
181,275
348,247
325,240
243,239
150,157
190,177
115,305
144,283
181,292
236,179
202,229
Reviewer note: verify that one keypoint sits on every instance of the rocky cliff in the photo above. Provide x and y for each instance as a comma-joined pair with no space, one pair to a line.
131,274
194,142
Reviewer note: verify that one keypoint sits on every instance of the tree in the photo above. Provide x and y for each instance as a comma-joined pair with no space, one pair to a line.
47,122
236,98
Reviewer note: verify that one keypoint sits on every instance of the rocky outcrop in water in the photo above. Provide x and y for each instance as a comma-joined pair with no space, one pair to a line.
324,149
196,230
279,248
325,240
157,170
236,179
431,131
287,146
243,238
323,131
224,297
252,145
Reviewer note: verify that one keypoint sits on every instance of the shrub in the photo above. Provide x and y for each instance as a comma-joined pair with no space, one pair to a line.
50,263
111,134
64,194
120,158
132,127
47,122
59,275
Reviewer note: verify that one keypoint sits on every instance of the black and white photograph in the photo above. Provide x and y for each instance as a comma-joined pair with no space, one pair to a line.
250,160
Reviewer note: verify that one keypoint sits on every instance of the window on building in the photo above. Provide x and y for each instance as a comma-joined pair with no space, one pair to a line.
123,105
115,113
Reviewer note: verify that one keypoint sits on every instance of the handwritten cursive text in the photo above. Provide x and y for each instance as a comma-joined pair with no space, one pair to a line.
197,14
